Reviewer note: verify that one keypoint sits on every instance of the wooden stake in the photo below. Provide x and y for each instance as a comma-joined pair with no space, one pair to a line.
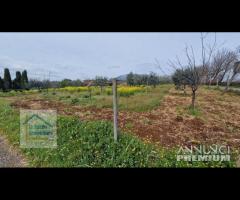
115,109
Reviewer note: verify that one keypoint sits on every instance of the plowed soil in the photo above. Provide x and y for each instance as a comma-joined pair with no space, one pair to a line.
170,124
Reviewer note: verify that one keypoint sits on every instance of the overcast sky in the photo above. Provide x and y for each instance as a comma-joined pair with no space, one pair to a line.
85,55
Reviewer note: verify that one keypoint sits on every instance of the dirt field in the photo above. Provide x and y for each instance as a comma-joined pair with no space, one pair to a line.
217,120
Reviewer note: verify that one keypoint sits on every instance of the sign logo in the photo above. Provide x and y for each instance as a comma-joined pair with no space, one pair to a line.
217,153
38,129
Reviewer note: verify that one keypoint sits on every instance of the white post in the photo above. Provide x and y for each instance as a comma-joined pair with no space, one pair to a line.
115,109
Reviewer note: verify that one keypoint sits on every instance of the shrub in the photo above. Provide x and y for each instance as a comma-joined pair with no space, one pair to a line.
75,101
86,96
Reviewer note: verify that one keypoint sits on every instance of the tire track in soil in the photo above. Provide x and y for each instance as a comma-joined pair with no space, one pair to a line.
9,157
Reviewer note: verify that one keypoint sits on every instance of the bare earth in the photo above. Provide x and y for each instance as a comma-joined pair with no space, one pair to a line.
168,125
9,157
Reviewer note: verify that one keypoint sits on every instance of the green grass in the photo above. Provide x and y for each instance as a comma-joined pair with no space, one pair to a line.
17,93
91,144
188,110
139,102
145,100
232,89
194,111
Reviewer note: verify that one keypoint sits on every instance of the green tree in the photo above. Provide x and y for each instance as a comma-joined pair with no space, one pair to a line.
144,79
153,79
137,79
130,79
7,79
177,78
77,82
17,82
180,79
65,83
101,82
34,83
1,84
24,80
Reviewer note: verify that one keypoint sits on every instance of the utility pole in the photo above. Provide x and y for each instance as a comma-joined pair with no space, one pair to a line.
115,109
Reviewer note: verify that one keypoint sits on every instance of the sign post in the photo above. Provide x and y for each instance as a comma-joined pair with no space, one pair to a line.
115,109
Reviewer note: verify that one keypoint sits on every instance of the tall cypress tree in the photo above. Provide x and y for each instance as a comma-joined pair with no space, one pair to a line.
24,80
1,84
7,79
17,83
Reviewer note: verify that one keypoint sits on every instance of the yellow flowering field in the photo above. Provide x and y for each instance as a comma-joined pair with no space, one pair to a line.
122,90
74,89
127,90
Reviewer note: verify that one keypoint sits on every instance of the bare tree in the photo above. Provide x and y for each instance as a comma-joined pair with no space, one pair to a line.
220,65
207,51
235,69
158,66
195,73
191,72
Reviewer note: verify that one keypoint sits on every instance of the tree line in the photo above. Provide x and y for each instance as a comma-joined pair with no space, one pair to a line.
132,79
44,84
151,79
19,83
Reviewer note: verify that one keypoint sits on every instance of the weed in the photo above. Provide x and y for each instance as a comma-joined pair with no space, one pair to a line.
194,111
75,101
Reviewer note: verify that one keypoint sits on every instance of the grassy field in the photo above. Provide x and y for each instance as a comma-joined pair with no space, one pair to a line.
90,144
142,98
130,98
154,122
